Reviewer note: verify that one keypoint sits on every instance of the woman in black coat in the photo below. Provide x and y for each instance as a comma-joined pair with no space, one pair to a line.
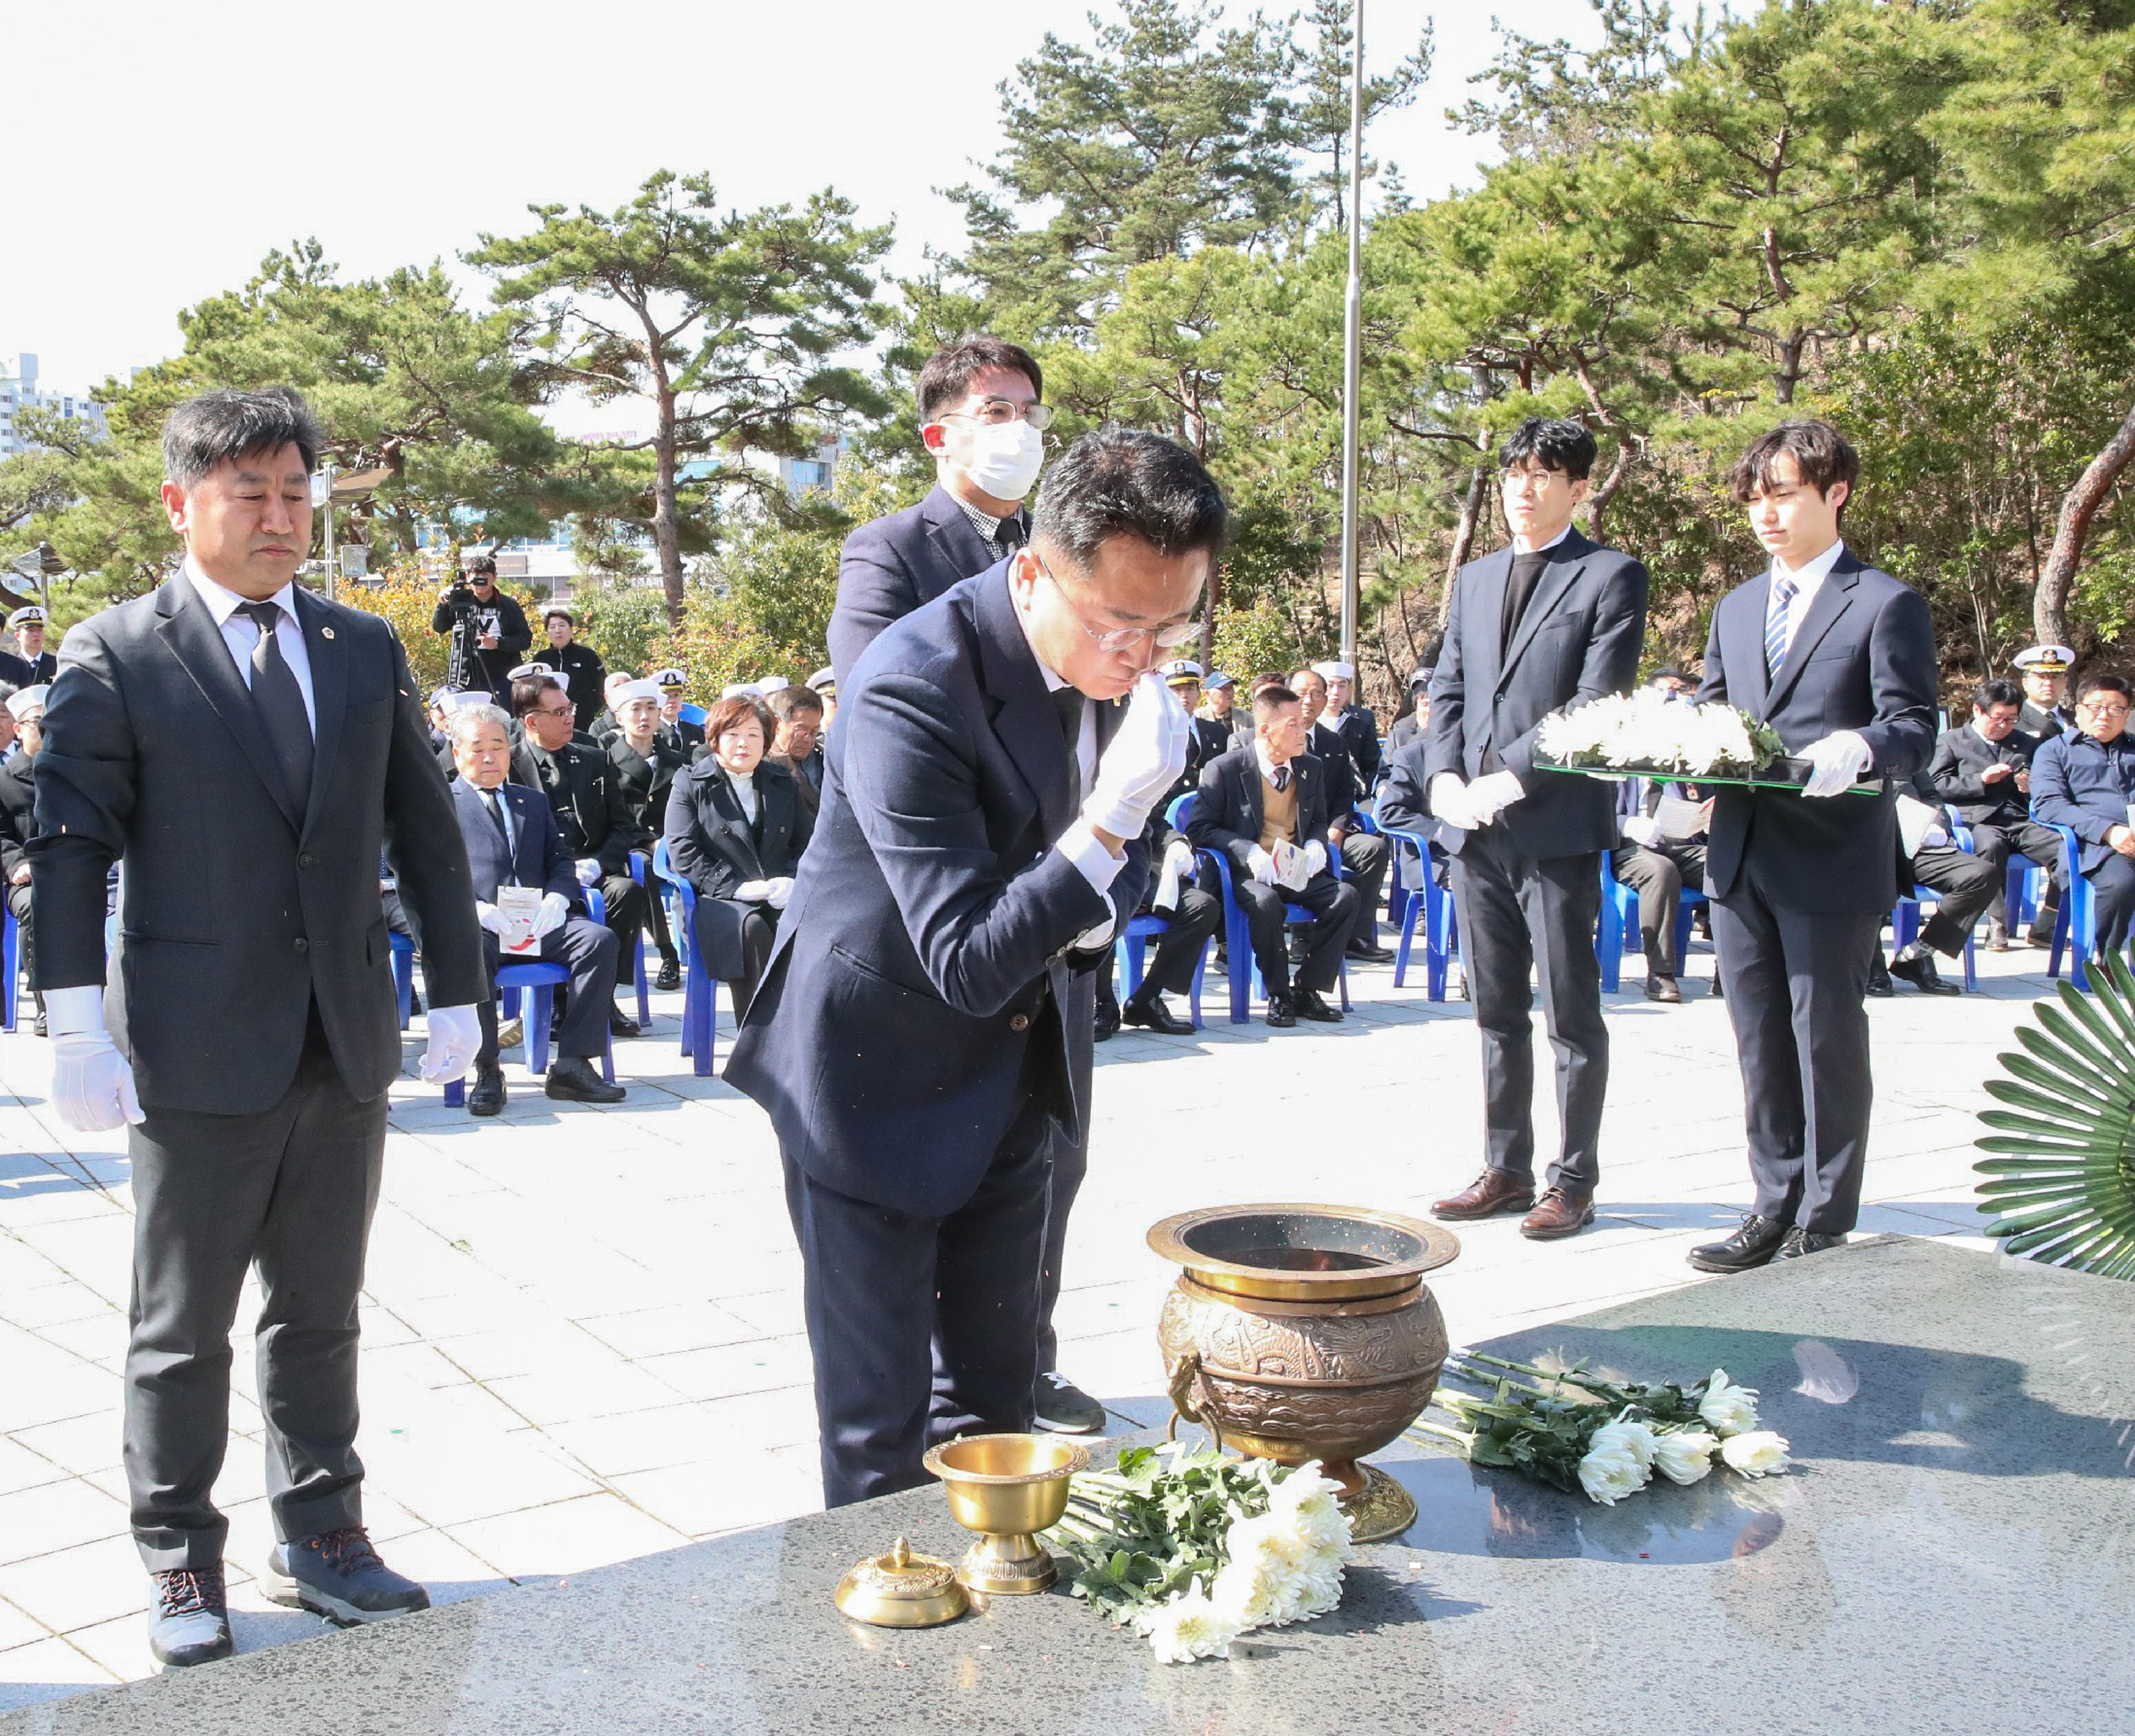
736,828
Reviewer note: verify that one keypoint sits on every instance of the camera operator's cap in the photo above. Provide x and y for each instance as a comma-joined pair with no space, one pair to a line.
28,700
670,679
1216,679
29,615
2047,659
1181,669
1420,678
824,679
1335,669
628,691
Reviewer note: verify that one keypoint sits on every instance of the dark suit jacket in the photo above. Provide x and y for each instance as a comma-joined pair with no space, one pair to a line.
237,910
1961,755
2079,782
645,782
923,987
1863,659
583,665
18,817
2043,725
538,858
1359,731
1228,813
715,848
591,808
1404,804
1403,732
1578,639
890,566
19,672
805,774
1343,786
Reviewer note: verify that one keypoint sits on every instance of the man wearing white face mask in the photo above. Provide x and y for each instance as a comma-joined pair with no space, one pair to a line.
982,416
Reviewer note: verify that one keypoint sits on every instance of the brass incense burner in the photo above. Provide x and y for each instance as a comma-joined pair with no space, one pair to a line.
1302,1332
1008,1488
898,1588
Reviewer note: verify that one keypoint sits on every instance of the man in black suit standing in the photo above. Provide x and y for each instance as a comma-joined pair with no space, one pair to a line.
981,417
34,664
1839,658
1983,770
513,840
244,749
1551,621
922,1039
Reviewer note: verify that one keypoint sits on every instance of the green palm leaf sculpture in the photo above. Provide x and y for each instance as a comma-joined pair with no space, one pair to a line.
2062,1179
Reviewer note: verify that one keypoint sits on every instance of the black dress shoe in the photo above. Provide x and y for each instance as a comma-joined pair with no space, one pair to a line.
1879,978
1754,1245
1364,953
1306,1004
572,1080
1280,1014
486,1096
1718,992
1064,1407
1150,1012
1916,964
189,1621
1664,989
671,974
1800,1241
620,1024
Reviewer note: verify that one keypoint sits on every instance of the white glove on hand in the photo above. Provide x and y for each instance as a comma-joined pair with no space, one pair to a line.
777,890
752,892
1260,865
92,1082
549,917
1176,867
1838,759
1315,859
1638,829
1449,802
589,870
489,916
455,1038
1141,761
1490,795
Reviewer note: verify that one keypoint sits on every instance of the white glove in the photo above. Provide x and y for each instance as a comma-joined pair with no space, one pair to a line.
1177,867
1141,761
92,1082
1260,865
549,917
455,1037
1315,859
777,890
752,892
490,917
1490,795
1638,829
1449,802
1838,759
589,870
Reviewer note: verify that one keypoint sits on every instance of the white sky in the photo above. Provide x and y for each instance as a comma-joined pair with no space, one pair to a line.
154,154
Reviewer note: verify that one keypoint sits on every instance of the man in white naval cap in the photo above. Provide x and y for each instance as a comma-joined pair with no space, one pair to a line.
35,663
1359,729
2044,671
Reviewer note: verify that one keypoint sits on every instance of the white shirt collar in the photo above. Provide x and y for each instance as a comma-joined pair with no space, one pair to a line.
1550,543
1812,574
223,603
1267,765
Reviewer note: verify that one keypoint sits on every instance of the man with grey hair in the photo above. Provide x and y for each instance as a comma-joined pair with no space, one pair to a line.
244,750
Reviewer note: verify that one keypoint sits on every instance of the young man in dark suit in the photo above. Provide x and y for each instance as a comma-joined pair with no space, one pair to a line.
1839,658
922,1039
1983,769
2085,779
982,416
1553,620
243,749
511,839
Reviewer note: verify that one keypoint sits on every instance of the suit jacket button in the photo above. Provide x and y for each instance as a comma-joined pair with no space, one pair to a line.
303,944
306,860
1019,1021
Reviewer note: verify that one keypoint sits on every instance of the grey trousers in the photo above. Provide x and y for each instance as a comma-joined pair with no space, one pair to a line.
293,1189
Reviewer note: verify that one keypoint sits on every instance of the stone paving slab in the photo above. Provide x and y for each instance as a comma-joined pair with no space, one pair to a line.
582,1326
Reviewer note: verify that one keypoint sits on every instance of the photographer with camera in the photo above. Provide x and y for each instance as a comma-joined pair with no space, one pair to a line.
489,630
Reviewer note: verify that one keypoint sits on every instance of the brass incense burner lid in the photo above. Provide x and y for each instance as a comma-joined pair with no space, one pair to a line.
900,1589
1296,1253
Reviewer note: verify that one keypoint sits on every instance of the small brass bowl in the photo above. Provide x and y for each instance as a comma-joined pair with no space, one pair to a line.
1008,1488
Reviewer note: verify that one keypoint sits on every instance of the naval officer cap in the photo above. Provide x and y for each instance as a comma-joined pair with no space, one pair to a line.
673,679
1181,669
530,671
21,704
29,615
824,679
2047,659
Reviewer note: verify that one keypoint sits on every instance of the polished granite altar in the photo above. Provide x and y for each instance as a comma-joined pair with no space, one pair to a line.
1953,1553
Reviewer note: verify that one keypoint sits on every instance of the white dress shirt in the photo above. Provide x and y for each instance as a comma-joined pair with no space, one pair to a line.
243,638
1808,582
1520,543
1095,863
743,785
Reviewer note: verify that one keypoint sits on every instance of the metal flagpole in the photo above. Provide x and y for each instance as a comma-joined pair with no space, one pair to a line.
1352,332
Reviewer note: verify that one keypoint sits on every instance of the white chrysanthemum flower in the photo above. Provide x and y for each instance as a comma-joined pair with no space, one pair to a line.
1189,1627
1729,1408
1759,1453
1684,1455
1636,1438
1607,1473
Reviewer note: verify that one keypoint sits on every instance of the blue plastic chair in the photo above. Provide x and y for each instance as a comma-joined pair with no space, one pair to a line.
404,974
2075,927
538,1007
1129,950
1246,984
1433,903
637,866
10,965
1618,931
699,987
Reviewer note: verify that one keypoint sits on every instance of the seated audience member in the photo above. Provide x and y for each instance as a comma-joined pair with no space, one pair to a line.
25,711
441,722
1250,802
512,841
1363,854
579,664
1208,739
674,689
736,828
2085,779
1233,722
1654,865
1966,884
592,811
1416,719
646,765
1983,770
603,726
1356,724
797,716
1192,915
2044,671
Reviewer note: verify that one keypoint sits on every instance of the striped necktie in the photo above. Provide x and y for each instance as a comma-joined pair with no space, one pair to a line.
1776,625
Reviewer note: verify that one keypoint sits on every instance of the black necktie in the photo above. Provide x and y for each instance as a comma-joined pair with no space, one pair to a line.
1280,779
1068,701
495,804
1007,534
281,703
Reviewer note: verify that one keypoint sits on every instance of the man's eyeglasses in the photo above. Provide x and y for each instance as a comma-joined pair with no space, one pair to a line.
1121,638
998,412
555,711
2104,708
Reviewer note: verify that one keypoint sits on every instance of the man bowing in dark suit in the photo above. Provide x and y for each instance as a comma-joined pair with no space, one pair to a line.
1839,659
921,1038
244,749
981,416
1551,621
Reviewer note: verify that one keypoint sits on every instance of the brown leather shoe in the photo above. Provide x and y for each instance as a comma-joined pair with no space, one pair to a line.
1558,1214
1489,1194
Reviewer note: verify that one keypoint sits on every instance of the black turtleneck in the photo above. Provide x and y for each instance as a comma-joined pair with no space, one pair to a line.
1519,589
